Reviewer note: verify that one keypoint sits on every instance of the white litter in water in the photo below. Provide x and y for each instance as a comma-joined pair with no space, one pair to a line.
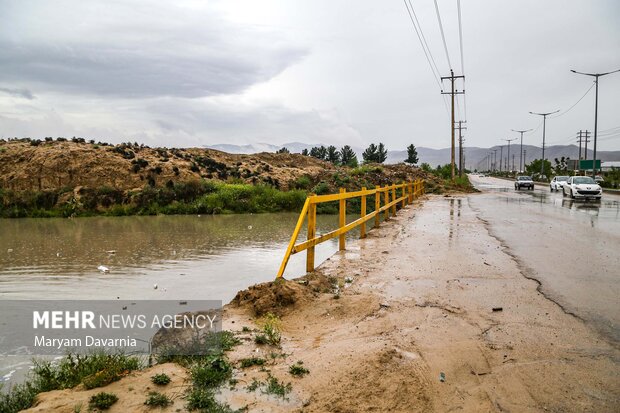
7,376
249,226
58,254
103,268
111,252
155,286
9,250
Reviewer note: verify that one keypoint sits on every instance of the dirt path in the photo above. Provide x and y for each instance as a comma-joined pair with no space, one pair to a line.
420,304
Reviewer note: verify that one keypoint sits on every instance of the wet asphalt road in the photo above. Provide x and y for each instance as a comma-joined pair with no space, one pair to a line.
571,247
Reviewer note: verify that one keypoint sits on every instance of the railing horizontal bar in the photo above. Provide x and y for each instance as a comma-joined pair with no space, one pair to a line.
333,234
318,199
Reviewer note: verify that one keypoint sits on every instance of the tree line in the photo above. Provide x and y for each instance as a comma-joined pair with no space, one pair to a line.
346,156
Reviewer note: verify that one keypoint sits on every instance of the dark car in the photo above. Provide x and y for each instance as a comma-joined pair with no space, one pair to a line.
524,182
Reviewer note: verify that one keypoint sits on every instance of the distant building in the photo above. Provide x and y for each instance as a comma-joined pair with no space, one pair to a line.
607,165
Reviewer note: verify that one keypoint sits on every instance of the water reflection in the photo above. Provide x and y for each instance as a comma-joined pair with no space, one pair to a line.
211,256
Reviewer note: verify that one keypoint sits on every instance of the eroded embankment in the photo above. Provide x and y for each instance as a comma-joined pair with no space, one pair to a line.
430,294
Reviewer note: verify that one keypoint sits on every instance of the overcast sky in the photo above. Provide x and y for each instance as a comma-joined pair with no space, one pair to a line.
205,72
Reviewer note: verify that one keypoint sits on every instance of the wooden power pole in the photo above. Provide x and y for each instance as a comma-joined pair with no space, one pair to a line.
452,93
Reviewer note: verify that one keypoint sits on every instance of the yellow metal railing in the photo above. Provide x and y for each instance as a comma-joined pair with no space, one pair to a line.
408,192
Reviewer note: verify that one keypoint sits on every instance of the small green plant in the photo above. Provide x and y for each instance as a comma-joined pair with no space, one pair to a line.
156,399
270,324
211,372
261,339
246,329
102,401
252,361
204,400
277,388
254,385
77,408
298,370
160,379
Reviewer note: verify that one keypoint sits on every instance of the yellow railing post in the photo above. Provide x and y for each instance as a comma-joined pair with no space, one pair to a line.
342,220
311,235
404,201
410,190
394,199
363,214
377,206
387,201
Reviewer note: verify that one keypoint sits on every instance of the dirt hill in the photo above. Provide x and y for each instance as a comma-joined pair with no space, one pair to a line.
54,165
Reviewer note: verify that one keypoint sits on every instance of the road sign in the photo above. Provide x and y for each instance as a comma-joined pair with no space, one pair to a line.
587,164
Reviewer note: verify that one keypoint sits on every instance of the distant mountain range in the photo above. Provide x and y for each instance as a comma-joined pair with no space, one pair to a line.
475,157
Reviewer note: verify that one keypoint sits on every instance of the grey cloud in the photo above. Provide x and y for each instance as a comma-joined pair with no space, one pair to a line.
22,93
229,120
134,50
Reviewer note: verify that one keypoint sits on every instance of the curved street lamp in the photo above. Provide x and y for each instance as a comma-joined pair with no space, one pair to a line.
544,115
595,76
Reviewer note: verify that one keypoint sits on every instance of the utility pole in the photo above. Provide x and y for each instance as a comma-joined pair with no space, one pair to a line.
524,159
521,164
501,156
452,93
586,140
579,139
513,161
544,115
596,76
461,162
509,140
495,159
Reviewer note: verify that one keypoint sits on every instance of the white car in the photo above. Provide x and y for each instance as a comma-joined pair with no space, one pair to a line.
557,183
582,187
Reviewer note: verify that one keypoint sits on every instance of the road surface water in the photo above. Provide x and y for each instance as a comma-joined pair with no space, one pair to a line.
571,247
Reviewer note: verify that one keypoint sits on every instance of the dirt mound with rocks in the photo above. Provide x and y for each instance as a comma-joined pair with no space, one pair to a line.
56,165
281,295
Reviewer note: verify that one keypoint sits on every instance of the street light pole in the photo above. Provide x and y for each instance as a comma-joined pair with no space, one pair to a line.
596,76
509,140
521,166
544,115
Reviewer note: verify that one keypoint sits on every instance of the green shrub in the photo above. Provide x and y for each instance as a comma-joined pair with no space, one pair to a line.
160,379
298,369
102,401
303,182
252,361
270,324
211,372
320,189
277,388
19,397
156,399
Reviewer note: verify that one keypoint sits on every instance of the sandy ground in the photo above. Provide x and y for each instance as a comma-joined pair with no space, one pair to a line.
421,303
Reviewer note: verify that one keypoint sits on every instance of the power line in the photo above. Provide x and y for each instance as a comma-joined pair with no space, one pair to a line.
425,48
443,37
575,104
423,43
415,16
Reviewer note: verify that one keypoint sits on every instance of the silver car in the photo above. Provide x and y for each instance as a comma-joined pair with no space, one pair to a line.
582,187
557,183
